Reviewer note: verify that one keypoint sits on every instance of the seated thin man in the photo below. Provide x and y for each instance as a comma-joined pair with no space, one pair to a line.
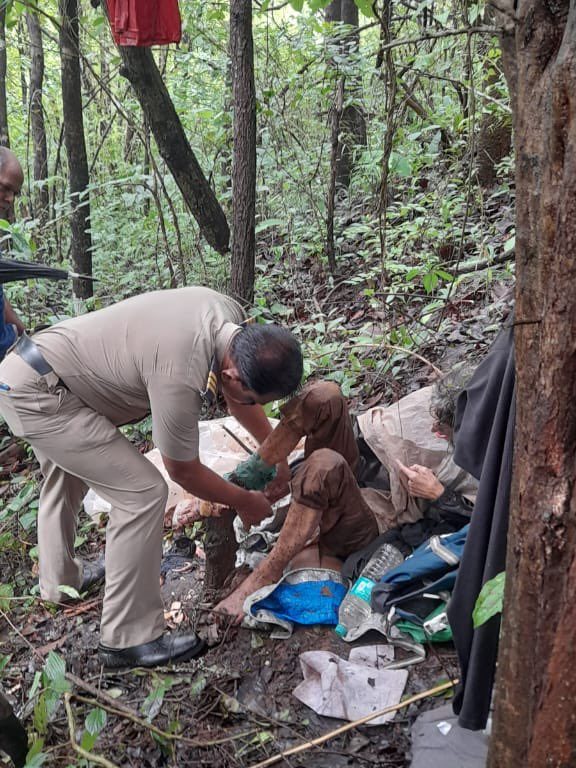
328,516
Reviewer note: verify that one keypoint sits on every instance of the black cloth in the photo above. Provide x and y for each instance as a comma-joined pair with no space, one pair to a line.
484,441
13,737
406,538
11,271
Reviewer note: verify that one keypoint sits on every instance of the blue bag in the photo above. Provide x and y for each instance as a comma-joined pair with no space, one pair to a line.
416,587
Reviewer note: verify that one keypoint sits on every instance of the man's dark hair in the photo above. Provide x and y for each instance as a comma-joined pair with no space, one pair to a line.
268,359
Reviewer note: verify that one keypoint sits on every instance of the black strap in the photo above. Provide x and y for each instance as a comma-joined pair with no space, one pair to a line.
30,353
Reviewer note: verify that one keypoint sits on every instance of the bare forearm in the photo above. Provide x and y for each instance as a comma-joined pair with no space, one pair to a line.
253,419
206,484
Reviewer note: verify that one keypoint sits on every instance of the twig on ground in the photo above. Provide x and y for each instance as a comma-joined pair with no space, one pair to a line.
75,746
117,708
361,721
21,636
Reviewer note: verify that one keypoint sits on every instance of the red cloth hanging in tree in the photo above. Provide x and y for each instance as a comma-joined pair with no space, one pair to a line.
145,22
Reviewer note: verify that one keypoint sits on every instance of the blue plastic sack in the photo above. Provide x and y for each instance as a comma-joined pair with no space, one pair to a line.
310,602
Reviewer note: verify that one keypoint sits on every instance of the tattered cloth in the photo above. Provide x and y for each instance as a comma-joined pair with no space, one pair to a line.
145,22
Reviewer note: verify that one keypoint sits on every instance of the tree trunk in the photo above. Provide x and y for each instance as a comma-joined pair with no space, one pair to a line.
78,177
4,135
495,131
535,720
330,249
220,547
140,69
42,202
352,123
244,152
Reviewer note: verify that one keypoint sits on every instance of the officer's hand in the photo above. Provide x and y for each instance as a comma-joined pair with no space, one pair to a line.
256,508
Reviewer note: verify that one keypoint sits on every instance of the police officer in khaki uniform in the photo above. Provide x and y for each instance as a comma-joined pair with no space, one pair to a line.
67,391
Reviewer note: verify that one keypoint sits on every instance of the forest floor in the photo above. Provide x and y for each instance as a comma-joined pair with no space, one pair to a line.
234,706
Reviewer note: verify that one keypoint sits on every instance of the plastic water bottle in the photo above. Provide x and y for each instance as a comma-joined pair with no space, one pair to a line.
355,609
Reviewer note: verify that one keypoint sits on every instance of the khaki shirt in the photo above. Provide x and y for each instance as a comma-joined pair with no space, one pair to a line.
151,353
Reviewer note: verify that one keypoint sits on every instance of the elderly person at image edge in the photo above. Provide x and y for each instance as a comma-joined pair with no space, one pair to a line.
11,180
67,391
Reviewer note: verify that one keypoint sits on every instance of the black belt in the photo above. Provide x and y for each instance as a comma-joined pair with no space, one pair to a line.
29,352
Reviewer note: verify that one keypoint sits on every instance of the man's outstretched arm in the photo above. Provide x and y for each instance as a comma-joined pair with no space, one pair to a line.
198,479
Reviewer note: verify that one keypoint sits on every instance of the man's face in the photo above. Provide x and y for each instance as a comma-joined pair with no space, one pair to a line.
11,180
235,391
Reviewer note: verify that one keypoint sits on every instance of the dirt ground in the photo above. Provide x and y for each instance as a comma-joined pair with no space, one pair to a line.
235,702
234,706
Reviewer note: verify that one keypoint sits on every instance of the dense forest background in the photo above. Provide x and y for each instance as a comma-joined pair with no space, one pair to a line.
346,169
383,189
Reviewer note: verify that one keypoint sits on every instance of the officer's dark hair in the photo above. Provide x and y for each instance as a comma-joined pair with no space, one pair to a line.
268,359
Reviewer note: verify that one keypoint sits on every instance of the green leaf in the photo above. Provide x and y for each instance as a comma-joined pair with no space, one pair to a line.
35,758
267,224
55,667
152,704
510,244
40,719
28,519
88,740
297,5
4,659
318,5
365,6
6,592
95,721
70,591
490,600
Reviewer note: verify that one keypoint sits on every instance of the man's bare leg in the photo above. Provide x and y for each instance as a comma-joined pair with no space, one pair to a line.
300,526
328,508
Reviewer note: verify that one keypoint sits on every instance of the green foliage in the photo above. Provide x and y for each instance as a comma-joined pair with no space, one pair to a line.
50,684
93,725
152,704
490,599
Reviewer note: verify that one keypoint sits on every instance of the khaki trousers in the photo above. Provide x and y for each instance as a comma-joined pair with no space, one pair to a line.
325,481
79,448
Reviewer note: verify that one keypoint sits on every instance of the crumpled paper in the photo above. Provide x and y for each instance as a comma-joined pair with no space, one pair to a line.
333,687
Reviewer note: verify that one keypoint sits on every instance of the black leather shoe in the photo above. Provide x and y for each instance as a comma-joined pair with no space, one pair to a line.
92,574
167,649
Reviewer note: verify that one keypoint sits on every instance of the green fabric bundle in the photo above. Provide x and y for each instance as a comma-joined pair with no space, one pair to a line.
252,474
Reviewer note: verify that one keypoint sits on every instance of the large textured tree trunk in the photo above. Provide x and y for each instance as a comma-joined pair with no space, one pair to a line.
37,116
139,67
244,154
535,718
4,135
78,177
